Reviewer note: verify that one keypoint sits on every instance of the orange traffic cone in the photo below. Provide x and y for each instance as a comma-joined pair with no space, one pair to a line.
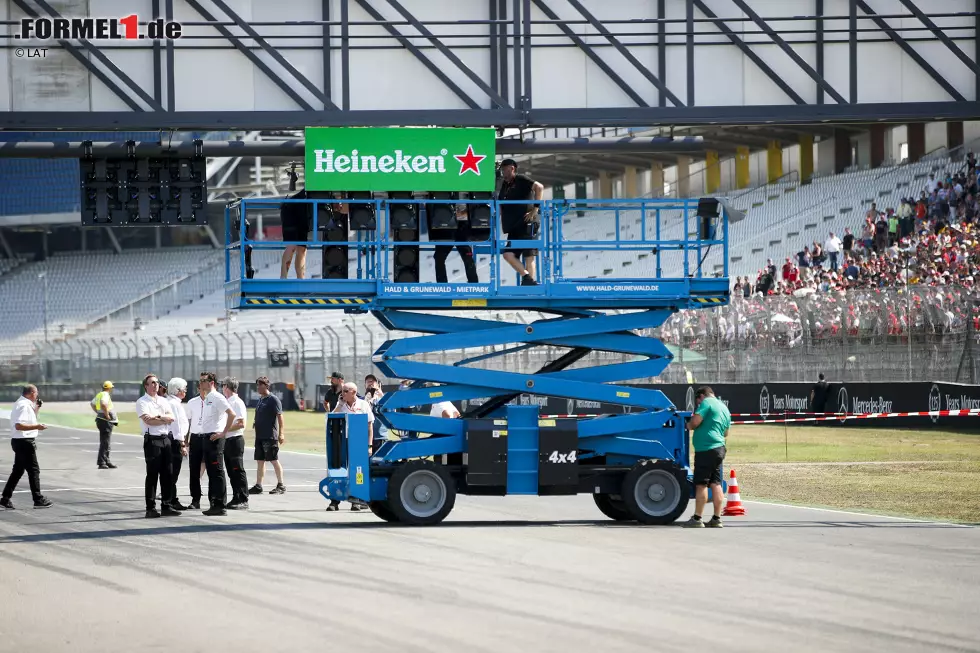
733,508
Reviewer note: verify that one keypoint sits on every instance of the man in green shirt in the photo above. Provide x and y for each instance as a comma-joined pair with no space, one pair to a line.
710,423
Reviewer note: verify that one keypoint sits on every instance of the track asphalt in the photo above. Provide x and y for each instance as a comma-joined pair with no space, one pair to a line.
501,574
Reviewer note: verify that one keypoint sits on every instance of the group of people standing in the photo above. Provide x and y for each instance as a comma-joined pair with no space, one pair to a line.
210,432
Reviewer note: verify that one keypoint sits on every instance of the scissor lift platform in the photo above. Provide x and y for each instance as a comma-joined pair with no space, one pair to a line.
635,465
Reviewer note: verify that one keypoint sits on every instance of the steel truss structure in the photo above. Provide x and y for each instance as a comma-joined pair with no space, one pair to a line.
655,69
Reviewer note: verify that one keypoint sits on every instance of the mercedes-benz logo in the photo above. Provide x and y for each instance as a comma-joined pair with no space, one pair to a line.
842,401
935,402
569,406
764,401
689,399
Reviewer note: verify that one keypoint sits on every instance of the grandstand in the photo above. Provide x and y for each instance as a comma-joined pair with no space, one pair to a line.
168,304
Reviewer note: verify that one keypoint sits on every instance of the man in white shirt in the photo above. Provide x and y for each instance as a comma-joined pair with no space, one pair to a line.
157,418
24,428
177,388
444,409
350,403
195,447
235,446
833,246
216,417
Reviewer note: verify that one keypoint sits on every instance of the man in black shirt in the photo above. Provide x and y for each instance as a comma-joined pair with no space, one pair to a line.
818,395
519,221
333,392
268,436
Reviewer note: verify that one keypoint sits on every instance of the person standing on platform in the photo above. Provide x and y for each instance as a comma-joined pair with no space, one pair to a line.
157,417
215,411
519,221
269,435
235,446
177,388
24,429
105,420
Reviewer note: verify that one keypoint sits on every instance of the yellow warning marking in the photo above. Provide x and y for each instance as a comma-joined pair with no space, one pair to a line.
469,302
546,422
500,422
434,395
623,395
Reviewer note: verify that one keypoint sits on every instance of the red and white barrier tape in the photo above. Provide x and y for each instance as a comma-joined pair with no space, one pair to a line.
779,418
847,416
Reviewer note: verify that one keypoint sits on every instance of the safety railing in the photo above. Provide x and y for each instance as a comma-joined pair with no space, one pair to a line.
373,246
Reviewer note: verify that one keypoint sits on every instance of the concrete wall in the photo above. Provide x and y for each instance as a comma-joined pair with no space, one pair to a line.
561,76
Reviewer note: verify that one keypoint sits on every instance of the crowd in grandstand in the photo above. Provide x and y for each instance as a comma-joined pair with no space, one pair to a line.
932,240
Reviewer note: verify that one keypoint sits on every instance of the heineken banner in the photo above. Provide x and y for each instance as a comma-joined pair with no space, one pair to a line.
400,159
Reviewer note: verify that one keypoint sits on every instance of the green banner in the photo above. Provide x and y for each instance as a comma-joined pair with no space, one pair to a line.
400,159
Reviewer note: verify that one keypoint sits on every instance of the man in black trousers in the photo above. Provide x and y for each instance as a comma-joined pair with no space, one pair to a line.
24,428
157,418
214,420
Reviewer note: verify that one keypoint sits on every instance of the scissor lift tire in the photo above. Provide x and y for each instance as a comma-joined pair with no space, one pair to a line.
383,510
421,493
612,506
656,492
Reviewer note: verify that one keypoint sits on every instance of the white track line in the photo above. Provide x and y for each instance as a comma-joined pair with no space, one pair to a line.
5,414
858,514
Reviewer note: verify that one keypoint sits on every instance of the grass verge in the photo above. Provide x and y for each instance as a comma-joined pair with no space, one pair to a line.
920,474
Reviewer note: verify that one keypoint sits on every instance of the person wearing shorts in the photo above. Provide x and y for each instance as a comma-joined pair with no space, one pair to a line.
295,218
519,221
710,423
268,436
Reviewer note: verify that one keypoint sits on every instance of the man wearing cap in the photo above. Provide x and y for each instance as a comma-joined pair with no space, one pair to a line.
105,420
519,221
235,446
334,392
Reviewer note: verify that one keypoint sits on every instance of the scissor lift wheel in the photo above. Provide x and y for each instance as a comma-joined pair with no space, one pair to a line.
383,510
656,492
421,493
612,506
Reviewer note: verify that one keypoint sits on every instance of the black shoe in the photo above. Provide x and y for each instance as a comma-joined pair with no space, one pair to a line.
168,511
714,522
151,513
334,506
279,489
356,507
237,505
176,505
215,511
194,505
528,280
42,503
6,504
103,466
111,466
256,489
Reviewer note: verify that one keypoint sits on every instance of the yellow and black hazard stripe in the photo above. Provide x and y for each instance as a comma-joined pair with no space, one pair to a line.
708,300
305,302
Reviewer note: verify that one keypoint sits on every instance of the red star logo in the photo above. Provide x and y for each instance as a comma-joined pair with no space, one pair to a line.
469,161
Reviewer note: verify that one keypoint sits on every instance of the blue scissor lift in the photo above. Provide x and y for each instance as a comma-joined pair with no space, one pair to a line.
636,465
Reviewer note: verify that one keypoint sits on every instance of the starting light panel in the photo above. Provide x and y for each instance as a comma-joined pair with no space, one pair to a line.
143,192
